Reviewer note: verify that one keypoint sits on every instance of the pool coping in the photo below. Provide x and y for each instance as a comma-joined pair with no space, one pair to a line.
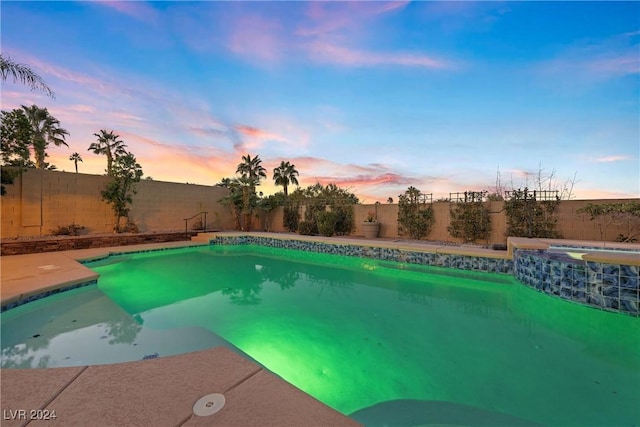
631,258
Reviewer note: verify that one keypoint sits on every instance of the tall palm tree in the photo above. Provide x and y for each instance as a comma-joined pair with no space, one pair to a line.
24,74
75,158
284,175
252,169
46,130
109,145
252,172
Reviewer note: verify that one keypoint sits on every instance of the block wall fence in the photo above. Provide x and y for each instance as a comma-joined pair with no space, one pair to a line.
571,225
41,201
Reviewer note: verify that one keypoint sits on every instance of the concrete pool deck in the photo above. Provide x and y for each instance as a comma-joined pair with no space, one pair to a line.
162,391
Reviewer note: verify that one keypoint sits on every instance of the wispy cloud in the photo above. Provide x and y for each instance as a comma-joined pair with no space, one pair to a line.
253,132
596,60
340,55
95,84
327,18
140,10
326,33
612,159
258,39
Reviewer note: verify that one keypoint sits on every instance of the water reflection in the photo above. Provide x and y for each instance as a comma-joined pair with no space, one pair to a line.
246,295
45,333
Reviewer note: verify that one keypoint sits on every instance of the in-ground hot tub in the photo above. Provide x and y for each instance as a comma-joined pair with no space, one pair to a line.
604,276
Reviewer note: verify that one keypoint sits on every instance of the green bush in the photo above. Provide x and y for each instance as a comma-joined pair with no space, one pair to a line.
625,214
326,223
291,218
470,221
316,198
344,219
307,228
528,217
414,218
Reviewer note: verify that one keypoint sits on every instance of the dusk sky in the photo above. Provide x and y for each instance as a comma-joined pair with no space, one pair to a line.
373,96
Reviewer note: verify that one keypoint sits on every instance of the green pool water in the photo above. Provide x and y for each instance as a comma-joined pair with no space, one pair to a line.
387,343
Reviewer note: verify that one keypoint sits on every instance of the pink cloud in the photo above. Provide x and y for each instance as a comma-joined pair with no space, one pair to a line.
258,38
611,159
366,180
329,17
340,55
139,10
124,118
82,108
330,33
253,132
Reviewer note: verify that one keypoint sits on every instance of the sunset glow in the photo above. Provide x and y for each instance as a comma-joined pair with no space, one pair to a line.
373,96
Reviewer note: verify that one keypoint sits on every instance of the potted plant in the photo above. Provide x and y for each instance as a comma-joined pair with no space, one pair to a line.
370,226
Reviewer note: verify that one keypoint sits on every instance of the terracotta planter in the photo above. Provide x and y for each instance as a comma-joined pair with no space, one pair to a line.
370,230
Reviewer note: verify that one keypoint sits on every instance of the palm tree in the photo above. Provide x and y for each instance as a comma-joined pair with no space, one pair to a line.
109,145
284,175
46,129
235,198
251,172
252,169
75,158
23,73
225,183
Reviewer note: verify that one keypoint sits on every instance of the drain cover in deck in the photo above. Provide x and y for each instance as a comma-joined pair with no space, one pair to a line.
209,404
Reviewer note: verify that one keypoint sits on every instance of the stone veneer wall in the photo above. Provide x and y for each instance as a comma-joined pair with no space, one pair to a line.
461,262
612,287
20,247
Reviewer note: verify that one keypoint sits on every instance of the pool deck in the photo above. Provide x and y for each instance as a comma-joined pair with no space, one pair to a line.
163,391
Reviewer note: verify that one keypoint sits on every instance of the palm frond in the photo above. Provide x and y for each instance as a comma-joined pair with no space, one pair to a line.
24,74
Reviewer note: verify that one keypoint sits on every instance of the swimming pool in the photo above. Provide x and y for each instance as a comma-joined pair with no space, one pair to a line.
372,339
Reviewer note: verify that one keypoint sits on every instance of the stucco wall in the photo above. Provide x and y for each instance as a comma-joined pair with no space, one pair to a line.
40,201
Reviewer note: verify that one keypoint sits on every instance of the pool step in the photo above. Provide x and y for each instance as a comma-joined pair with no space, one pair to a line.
203,237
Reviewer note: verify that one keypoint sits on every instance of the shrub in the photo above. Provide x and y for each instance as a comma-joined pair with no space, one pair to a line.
291,217
72,229
625,214
307,228
344,219
326,223
131,227
528,217
316,198
414,218
470,221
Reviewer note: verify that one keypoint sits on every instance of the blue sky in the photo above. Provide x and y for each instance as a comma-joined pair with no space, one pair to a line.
374,96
